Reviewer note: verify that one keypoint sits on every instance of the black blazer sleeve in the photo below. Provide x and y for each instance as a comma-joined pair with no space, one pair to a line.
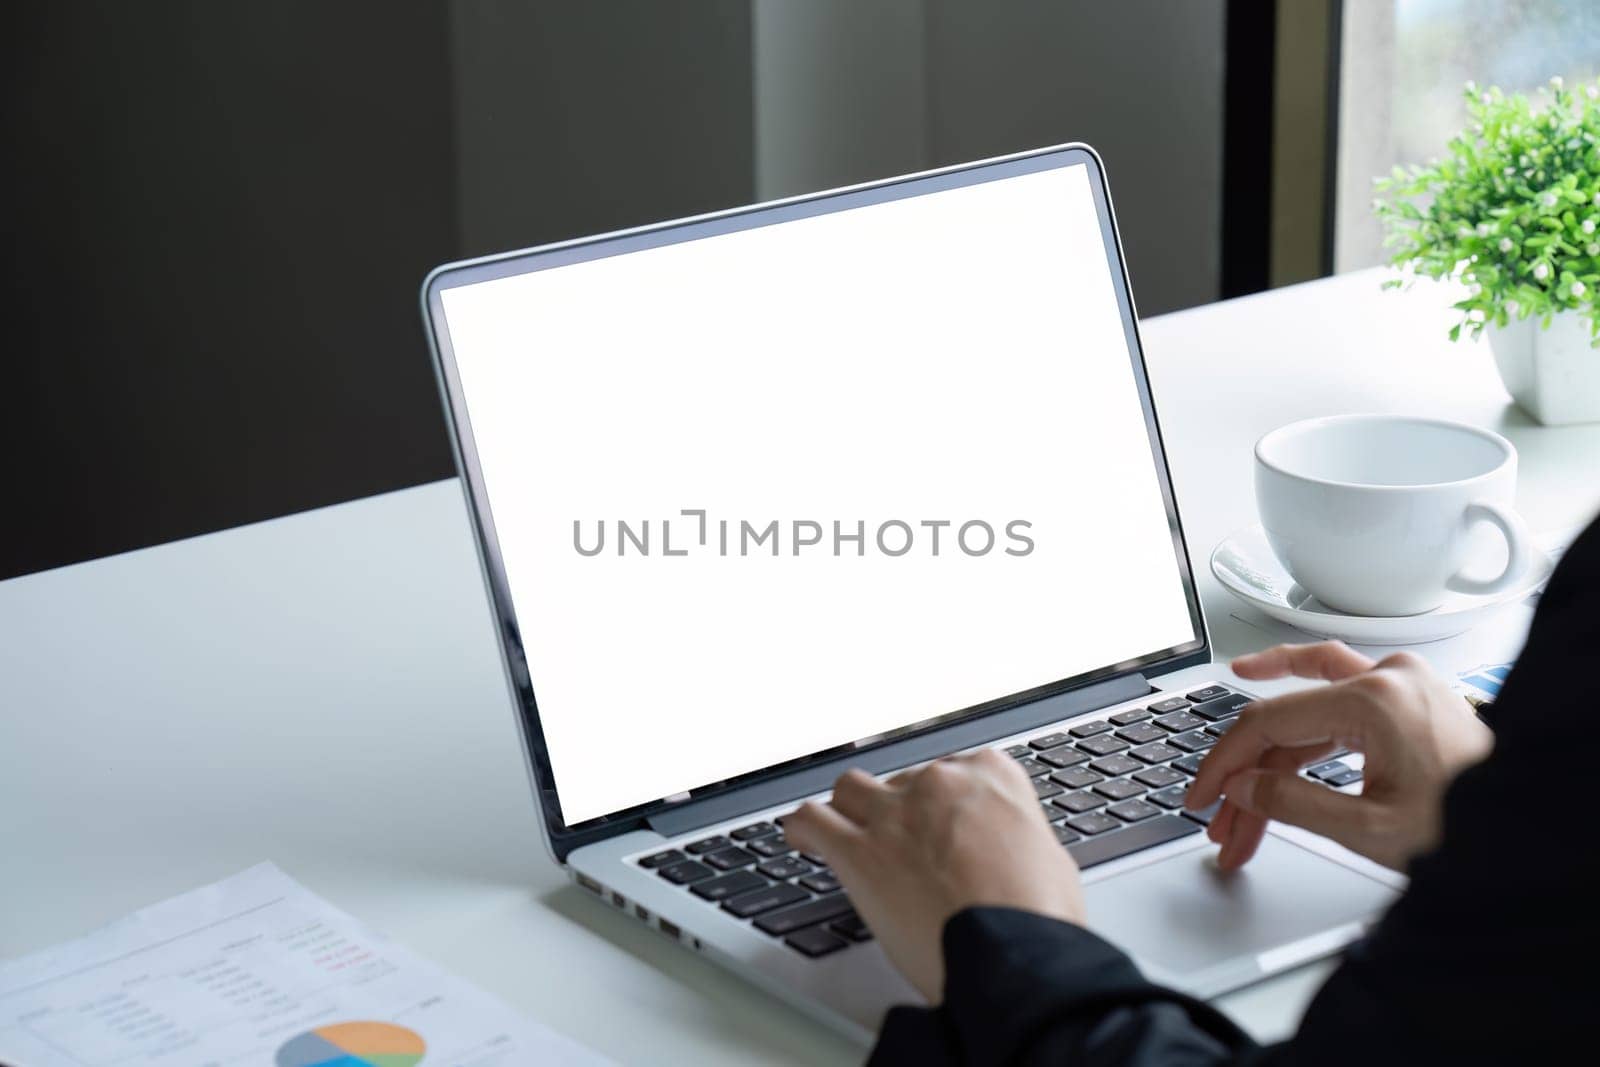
1489,957
1023,989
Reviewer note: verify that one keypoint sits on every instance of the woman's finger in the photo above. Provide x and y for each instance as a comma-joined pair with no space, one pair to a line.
823,831
1221,826
1246,829
1297,801
860,797
1240,847
901,779
1330,661
1311,717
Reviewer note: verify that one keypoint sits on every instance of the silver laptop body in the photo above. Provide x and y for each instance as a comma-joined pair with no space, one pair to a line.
689,656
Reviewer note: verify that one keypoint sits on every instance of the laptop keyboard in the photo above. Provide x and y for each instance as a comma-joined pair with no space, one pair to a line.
1109,787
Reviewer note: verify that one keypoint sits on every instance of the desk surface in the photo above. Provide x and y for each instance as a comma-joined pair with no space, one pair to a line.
323,690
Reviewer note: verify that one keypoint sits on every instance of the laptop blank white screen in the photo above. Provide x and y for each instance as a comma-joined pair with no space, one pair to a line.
954,358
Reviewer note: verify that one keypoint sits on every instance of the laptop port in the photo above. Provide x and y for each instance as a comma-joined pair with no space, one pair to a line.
670,929
618,899
641,912
591,885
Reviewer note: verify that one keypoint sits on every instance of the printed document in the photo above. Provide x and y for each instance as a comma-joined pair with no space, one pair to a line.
255,970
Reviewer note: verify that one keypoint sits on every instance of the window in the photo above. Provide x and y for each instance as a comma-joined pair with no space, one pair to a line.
1404,65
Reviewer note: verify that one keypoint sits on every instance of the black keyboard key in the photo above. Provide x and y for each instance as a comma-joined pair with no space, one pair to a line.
1323,771
1019,751
815,861
1135,838
1160,777
770,847
755,829
1092,823
784,867
1066,835
1112,766
815,941
799,917
1044,788
1064,756
729,858
1132,715
706,844
1189,764
1141,734
1049,741
1198,741
1078,803
1156,753
1103,745
1134,811
1089,729
851,928
1032,767
765,899
1217,729
1076,778
661,859
727,885
685,871
1172,798
1180,722
1348,776
1161,707
821,882
1224,707
1119,788
1210,692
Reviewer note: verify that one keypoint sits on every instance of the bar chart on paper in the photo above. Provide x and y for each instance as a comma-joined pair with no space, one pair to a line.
357,1044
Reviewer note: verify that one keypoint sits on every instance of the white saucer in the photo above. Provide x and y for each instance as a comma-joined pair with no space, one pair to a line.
1245,565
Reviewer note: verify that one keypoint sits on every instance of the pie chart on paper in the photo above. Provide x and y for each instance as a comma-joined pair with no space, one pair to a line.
362,1044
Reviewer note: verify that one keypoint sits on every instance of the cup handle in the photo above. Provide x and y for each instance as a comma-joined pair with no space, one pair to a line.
1518,556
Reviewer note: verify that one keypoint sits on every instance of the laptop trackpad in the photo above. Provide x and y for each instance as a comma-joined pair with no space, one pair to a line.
1183,916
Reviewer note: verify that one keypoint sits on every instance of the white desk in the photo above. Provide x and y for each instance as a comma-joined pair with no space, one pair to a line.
323,691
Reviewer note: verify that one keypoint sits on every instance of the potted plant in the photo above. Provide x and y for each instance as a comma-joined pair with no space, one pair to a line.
1513,210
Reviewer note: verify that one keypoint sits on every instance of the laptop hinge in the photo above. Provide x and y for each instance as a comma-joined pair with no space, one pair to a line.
693,814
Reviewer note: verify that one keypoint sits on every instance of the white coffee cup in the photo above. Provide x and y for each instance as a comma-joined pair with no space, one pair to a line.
1379,514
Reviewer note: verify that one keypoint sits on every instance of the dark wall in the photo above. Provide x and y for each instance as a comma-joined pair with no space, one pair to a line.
225,210
1141,80
221,212
578,118
849,91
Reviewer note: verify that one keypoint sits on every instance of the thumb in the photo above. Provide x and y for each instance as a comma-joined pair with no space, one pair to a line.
1291,799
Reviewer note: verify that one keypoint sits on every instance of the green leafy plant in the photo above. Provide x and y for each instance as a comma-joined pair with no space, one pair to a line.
1513,210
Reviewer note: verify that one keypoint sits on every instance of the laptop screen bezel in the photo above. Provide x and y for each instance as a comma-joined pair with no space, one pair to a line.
563,837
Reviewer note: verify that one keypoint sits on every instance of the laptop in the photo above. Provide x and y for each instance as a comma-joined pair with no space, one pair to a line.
856,479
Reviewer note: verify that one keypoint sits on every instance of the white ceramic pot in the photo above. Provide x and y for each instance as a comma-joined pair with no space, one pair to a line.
1553,374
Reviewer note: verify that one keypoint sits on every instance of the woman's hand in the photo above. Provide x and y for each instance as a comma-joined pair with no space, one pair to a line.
1415,733
915,850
